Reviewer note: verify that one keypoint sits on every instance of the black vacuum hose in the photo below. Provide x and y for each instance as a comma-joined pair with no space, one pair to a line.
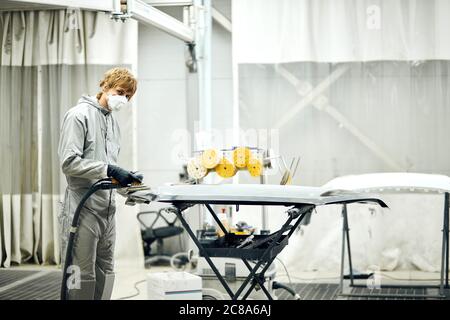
103,184
277,285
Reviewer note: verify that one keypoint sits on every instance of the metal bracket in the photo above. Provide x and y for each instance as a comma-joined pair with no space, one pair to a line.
191,59
147,14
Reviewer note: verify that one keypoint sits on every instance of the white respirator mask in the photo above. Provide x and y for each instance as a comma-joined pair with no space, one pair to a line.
115,102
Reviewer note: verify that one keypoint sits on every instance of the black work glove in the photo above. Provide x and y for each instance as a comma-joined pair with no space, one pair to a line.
123,176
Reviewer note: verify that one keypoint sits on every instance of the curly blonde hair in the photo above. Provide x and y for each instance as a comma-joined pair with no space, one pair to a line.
119,77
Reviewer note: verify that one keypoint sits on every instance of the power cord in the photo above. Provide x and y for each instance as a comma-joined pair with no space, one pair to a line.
285,269
137,289
277,285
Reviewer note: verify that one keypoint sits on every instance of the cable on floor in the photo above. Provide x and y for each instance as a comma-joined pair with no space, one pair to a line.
137,289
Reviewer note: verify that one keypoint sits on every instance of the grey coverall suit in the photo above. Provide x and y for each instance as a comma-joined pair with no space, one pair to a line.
89,142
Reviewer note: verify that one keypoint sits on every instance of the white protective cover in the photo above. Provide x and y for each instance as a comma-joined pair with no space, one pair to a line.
406,237
391,183
256,194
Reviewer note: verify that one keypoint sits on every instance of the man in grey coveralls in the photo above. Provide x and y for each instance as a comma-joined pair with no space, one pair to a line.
88,151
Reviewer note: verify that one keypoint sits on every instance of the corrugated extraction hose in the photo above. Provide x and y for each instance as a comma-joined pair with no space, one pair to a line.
103,184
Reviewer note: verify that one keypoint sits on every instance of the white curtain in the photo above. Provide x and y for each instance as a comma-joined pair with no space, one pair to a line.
48,60
280,31
349,102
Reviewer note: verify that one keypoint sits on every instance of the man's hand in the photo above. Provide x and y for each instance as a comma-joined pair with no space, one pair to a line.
124,177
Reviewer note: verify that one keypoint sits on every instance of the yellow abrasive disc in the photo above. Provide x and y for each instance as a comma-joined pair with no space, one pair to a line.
210,158
225,169
195,169
241,155
254,167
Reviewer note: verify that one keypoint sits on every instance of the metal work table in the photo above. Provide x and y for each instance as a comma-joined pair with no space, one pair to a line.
299,202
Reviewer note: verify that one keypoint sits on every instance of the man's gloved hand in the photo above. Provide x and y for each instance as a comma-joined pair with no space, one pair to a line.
123,176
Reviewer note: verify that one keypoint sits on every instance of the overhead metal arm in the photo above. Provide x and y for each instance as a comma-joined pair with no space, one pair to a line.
119,9
221,19
147,14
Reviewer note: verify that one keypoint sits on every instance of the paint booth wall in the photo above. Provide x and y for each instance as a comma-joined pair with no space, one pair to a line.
168,102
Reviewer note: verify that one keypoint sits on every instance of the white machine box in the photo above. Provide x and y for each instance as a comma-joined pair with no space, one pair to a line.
174,286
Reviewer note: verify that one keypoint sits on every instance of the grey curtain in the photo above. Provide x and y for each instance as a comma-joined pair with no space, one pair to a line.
32,181
18,160
48,60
